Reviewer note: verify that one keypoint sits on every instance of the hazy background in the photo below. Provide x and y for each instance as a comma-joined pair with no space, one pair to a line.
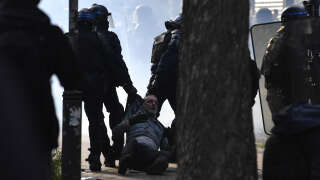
137,22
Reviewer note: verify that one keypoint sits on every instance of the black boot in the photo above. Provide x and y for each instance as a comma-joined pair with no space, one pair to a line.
159,165
124,164
94,161
107,154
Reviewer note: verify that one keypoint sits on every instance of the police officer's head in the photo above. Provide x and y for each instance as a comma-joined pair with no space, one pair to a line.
143,14
174,24
85,20
101,14
264,15
293,13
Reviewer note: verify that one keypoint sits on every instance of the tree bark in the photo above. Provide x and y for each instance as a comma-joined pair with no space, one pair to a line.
215,129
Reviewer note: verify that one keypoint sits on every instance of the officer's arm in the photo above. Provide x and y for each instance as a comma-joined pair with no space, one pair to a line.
124,77
167,68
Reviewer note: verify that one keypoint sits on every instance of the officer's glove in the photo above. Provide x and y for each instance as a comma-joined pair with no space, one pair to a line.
118,131
131,91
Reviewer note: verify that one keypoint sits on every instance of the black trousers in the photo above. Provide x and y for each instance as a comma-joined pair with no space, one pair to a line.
93,105
295,157
142,156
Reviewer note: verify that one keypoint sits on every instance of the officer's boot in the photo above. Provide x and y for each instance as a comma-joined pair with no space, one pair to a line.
107,153
94,160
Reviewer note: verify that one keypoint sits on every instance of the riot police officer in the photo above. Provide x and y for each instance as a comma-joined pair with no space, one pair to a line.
165,59
164,69
116,75
91,58
292,79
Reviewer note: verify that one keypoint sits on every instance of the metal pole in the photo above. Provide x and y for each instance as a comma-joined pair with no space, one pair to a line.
73,11
71,136
72,114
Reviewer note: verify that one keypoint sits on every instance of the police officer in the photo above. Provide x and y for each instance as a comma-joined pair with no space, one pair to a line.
31,51
117,75
291,69
165,59
91,58
164,69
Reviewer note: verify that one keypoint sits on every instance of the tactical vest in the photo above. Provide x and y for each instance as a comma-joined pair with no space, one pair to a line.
160,45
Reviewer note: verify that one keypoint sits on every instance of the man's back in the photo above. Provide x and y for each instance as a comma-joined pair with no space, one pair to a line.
31,50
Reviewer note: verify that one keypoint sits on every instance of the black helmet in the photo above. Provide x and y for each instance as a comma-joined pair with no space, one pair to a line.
293,13
86,19
174,24
101,13
312,7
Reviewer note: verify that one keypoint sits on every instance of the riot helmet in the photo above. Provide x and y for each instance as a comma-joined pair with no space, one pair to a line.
174,24
102,15
264,15
293,13
312,7
86,19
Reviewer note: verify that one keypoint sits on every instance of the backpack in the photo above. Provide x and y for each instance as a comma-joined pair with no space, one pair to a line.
160,45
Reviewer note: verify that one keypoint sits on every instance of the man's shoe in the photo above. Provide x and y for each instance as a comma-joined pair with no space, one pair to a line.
159,165
124,164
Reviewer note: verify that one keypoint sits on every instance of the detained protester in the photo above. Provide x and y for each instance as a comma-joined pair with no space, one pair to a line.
291,70
31,51
116,75
145,135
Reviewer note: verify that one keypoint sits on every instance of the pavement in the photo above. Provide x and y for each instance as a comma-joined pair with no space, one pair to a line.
112,173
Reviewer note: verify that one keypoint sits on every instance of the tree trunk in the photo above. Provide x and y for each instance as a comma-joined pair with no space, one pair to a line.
215,129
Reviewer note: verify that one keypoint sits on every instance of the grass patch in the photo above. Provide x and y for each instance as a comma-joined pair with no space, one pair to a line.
56,165
260,145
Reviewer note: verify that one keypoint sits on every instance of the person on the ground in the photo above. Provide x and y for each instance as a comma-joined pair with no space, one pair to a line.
145,136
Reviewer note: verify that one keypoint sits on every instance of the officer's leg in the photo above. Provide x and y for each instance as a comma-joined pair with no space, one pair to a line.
283,159
310,139
172,97
97,130
116,111
161,99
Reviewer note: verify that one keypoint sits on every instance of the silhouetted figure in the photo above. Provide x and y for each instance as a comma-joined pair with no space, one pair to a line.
141,37
264,15
31,51
116,75
91,57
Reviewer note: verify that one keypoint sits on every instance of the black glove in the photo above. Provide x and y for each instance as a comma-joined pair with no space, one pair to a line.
131,91
118,131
